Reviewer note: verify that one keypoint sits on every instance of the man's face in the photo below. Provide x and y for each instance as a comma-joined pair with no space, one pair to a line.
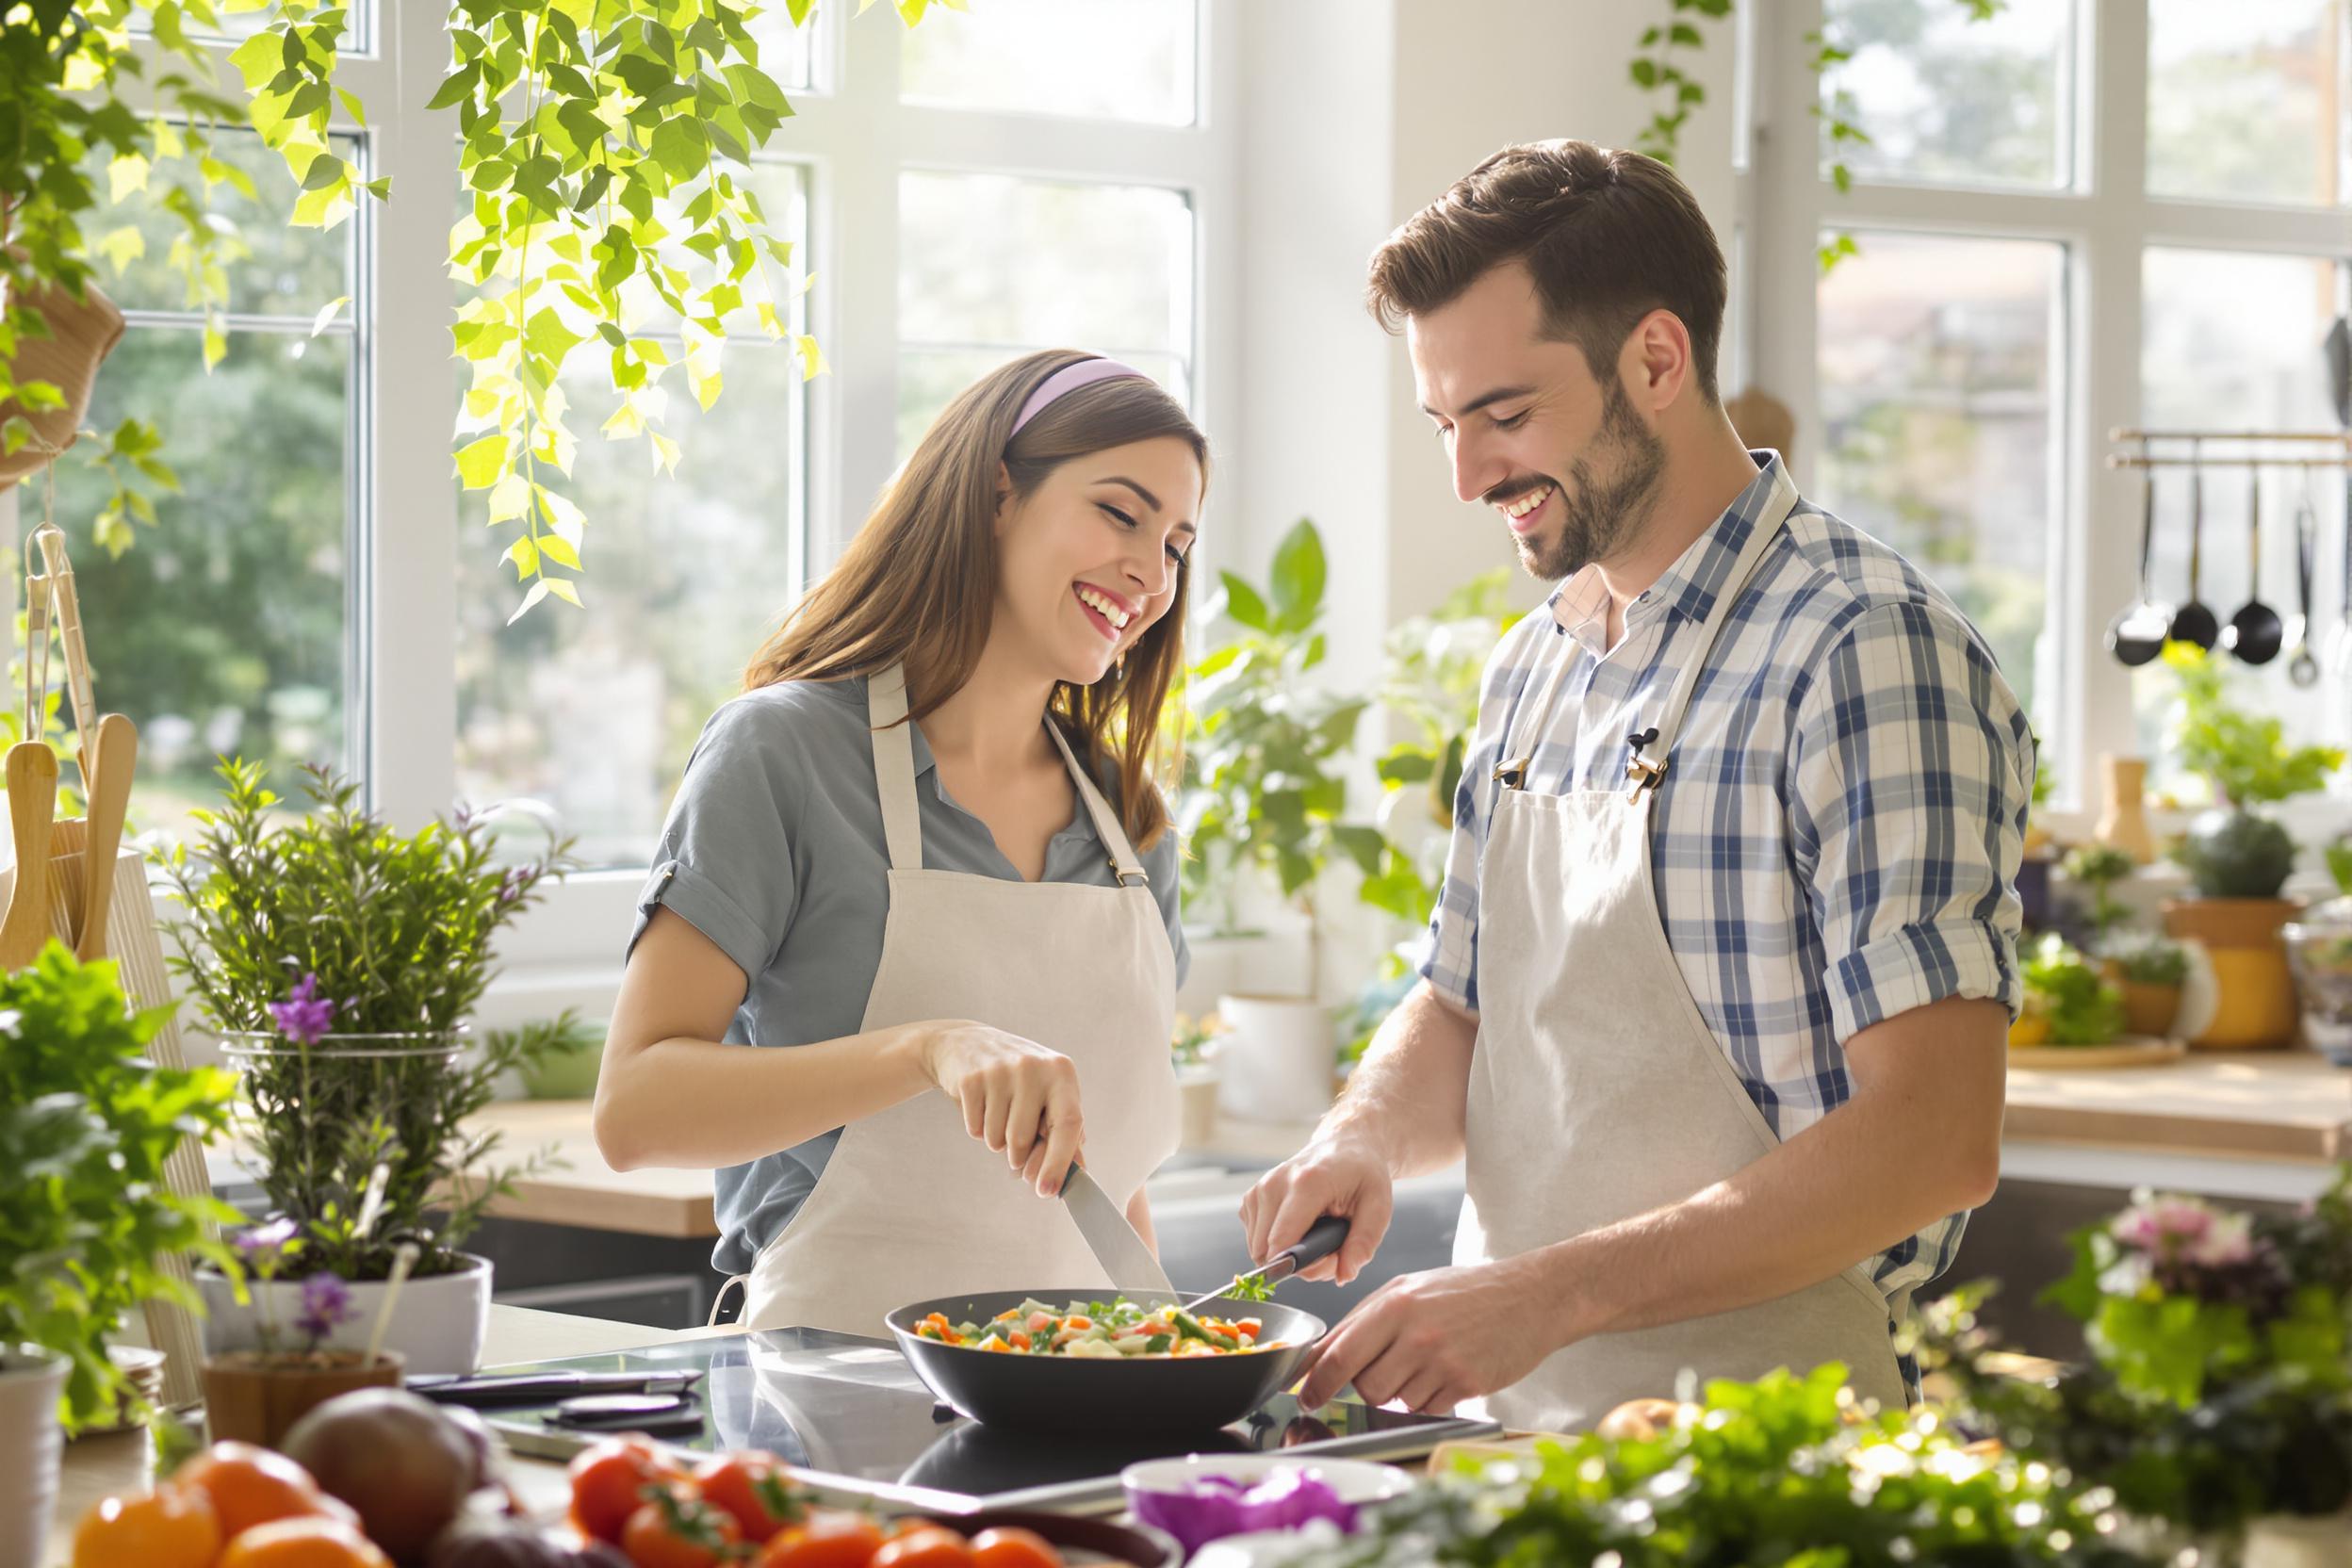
1564,457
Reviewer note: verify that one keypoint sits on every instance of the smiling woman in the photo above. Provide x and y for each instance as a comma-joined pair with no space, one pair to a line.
925,849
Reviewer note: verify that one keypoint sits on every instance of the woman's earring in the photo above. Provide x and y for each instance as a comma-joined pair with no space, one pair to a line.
1119,668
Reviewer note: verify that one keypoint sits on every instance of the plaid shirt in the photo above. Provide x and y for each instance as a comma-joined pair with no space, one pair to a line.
1838,839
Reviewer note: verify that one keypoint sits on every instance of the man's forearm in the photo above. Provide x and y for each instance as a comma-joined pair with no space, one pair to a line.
1410,1094
1904,1154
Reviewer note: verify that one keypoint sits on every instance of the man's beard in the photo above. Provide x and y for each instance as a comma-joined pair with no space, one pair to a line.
1598,516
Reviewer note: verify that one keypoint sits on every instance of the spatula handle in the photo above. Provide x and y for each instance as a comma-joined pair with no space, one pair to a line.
1322,1239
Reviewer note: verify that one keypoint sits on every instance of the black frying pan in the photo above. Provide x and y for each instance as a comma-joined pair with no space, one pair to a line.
1065,1394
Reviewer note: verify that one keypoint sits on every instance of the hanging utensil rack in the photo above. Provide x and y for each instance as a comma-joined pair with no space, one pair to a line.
2201,443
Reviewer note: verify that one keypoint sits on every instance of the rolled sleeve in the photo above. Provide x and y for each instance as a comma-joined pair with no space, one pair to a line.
724,863
1911,775
1450,952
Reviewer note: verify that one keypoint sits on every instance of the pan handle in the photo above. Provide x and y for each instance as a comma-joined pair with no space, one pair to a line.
1322,1239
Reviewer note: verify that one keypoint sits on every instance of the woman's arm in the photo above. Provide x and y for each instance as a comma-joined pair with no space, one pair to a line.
669,1093
1140,1215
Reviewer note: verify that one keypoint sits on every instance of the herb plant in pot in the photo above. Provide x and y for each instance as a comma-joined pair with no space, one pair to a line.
1263,798
86,1122
2067,1001
338,960
2238,858
255,1395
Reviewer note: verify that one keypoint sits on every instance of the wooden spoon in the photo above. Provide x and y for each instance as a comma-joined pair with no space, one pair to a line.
32,775
113,757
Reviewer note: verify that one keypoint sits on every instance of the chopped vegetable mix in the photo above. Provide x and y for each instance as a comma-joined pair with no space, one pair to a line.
1102,1330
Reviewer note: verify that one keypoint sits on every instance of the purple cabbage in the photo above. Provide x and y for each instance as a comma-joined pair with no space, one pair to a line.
1215,1506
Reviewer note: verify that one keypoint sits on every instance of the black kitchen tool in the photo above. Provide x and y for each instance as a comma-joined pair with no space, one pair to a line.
2255,631
2193,623
547,1388
2136,635
1322,1239
1070,1394
2302,668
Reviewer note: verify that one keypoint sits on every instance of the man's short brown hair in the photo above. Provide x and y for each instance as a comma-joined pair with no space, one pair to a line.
1608,236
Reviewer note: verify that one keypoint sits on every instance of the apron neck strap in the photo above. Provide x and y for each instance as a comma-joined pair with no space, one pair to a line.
902,812
894,766
1124,864
1654,744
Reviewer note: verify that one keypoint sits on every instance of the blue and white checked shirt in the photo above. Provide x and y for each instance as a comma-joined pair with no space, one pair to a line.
1838,840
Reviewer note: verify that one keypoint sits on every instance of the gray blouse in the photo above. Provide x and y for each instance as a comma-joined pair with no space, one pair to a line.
773,849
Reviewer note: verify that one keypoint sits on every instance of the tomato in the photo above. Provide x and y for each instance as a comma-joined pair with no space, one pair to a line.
756,1487
677,1529
926,1547
1013,1548
830,1537
173,1527
609,1482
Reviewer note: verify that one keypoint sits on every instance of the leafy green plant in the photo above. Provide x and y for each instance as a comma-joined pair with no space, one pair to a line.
1264,786
2149,960
2099,867
2218,1387
1783,1470
86,1211
2338,857
2080,1007
300,934
2237,855
2244,757
1654,71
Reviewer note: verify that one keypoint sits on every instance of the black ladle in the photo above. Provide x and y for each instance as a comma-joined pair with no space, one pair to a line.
2193,623
2136,635
2302,668
2255,631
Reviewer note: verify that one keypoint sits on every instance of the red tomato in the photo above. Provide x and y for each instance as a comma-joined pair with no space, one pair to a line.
830,1537
1013,1548
756,1487
609,1483
679,1530
926,1547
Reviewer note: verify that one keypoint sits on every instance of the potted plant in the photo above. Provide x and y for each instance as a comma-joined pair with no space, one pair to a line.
337,960
2067,1001
2150,973
1263,798
1194,1045
86,1211
2319,946
2215,1400
2238,858
256,1395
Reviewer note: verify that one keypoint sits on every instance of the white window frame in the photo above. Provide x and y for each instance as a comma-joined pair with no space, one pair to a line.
2106,219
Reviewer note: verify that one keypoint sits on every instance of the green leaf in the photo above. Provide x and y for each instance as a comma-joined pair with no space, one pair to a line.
458,86
1298,578
1240,603
480,462
680,146
327,313
538,591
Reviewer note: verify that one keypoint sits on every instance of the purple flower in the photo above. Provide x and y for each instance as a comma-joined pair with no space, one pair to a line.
263,1247
304,1015
326,1305
517,882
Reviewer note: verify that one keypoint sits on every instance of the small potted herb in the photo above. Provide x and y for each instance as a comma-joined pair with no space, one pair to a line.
256,1395
2239,858
2150,970
339,961
2067,1000
87,1212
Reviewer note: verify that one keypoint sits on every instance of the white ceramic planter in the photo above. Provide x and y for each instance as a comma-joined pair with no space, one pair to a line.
2282,1540
437,1324
1278,1059
31,1382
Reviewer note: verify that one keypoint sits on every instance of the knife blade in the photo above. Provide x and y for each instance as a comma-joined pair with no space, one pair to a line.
545,1388
1113,1241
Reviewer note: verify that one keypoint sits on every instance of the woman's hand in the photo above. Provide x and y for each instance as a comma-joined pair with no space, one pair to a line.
1017,1096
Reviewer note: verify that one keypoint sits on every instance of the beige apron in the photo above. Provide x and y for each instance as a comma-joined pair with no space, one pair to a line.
912,1206
1597,1092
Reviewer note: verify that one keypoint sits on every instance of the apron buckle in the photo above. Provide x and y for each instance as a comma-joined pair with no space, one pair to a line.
1645,773
1512,774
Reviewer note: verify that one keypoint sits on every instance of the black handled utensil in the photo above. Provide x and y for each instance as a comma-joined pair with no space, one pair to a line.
2255,631
2193,623
2302,668
1322,1239
2136,635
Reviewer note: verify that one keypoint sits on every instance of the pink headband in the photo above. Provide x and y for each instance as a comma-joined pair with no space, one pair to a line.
1068,379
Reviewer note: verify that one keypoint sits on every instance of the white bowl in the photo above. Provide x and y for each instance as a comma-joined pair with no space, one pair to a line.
1356,1480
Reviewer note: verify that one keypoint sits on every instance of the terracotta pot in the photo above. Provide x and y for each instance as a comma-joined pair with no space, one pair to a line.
2123,815
252,1396
2256,1009
81,333
2146,1009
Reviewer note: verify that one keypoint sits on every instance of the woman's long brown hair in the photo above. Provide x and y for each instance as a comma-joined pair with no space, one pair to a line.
918,584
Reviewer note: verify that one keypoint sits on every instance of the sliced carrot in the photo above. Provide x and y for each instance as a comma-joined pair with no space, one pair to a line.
1021,1340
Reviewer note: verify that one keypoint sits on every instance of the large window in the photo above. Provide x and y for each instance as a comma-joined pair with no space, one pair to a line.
2068,219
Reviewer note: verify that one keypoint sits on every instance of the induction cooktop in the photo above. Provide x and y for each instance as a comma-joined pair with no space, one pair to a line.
852,1415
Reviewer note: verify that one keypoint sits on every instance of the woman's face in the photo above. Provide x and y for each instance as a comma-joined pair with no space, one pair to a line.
1090,559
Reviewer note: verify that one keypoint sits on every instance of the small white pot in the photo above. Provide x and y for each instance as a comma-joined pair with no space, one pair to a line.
31,1382
2286,1541
1278,1060
437,1325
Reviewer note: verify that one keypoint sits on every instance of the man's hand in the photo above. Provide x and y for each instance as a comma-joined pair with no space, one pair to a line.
1435,1339
1337,1173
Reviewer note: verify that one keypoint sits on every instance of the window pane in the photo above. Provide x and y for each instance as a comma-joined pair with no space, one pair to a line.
595,713
2243,103
1938,386
1118,59
1947,99
243,25
927,378
785,51
2233,342
221,631
274,269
